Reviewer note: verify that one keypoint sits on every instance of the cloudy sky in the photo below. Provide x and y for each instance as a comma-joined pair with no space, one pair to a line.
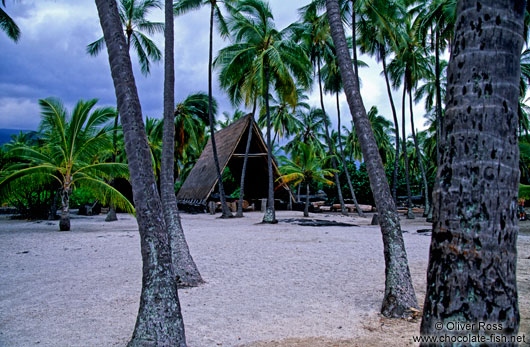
50,60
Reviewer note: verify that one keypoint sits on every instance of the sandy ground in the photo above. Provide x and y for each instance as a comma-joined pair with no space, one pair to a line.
267,285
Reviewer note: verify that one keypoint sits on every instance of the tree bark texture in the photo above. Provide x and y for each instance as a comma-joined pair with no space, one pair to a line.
226,211
64,222
331,148
399,295
306,206
472,262
186,271
159,320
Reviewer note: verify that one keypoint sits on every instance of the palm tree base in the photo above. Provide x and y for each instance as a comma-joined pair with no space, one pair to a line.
111,215
269,216
410,214
64,224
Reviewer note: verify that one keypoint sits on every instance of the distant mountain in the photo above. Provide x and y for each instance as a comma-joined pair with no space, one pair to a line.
5,134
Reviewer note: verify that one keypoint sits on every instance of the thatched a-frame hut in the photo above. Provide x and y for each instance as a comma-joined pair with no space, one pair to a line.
231,143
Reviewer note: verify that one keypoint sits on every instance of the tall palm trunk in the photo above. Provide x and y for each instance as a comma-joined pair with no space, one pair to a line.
419,158
354,39
343,158
396,126
186,271
471,275
399,293
270,212
410,214
438,116
159,320
226,212
245,163
306,206
330,144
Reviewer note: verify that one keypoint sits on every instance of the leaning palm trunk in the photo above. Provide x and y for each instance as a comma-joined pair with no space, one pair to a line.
471,275
270,212
159,320
226,212
343,158
419,159
330,144
410,214
396,127
399,293
186,272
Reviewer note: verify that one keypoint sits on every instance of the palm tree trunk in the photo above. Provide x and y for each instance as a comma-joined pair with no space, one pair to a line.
343,158
354,39
410,214
159,320
419,158
471,275
64,222
244,169
186,271
396,126
438,117
306,207
226,211
399,293
330,144
270,212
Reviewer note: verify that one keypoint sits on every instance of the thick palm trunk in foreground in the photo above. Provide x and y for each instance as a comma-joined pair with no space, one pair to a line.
186,272
159,321
472,262
399,295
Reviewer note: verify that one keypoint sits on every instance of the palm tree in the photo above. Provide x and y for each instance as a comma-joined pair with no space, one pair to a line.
180,8
399,293
8,25
305,168
313,33
133,16
333,84
310,133
159,320
377,36
186,271
409,65
270,58
69,156
437,22
473,251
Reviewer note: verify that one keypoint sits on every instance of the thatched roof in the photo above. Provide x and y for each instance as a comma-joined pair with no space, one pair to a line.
231,142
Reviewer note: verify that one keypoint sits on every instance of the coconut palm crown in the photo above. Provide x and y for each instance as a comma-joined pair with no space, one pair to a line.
73,144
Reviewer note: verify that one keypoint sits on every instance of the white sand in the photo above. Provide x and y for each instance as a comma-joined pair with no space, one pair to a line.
267,285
